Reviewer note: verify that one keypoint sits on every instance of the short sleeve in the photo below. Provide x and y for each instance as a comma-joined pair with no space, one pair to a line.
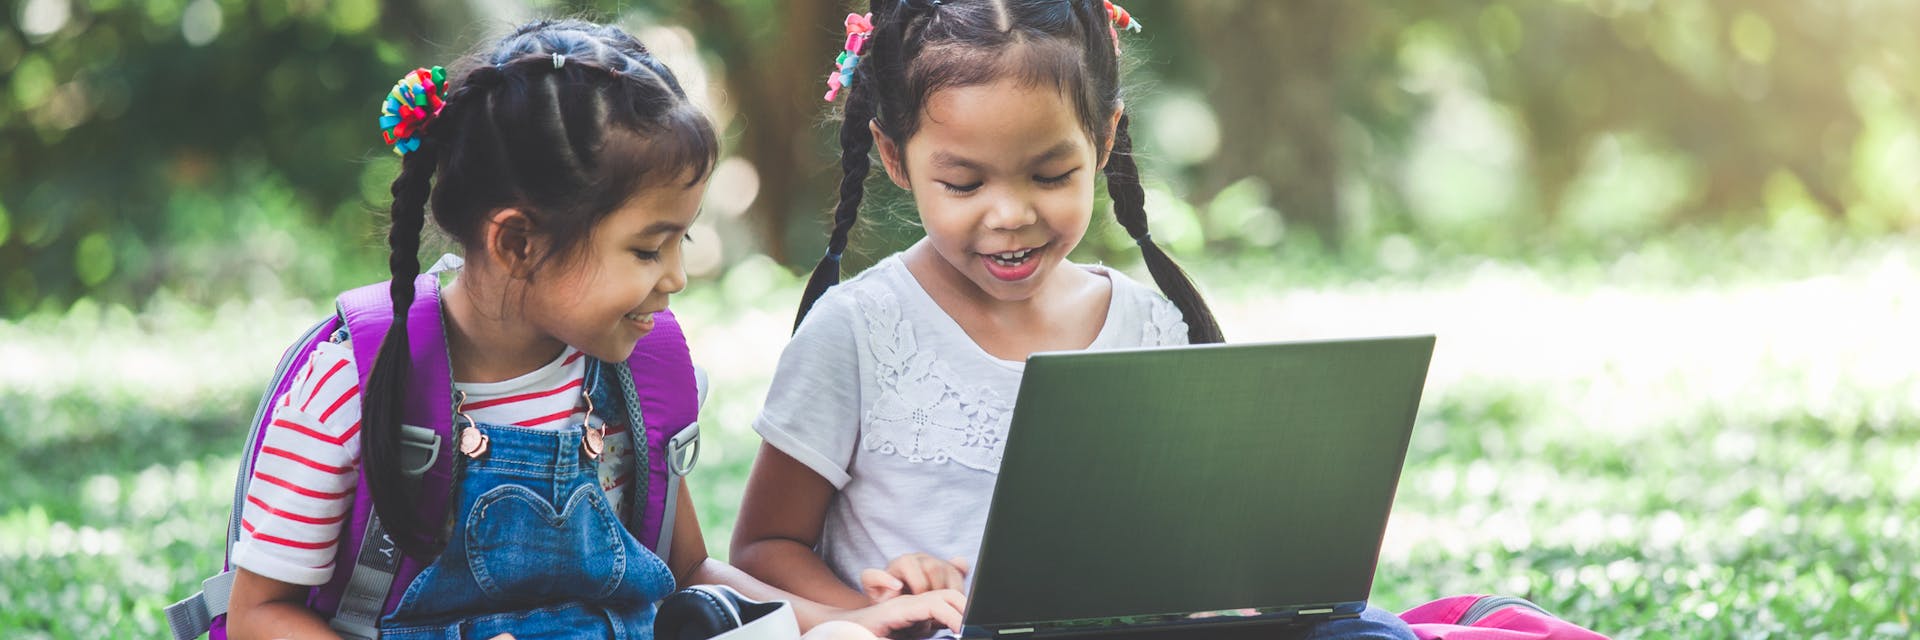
305,476
812,411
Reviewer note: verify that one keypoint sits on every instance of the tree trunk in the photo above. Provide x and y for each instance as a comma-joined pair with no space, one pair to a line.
1274,88
774,75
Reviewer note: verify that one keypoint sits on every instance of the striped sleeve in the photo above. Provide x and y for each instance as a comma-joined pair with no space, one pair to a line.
303,481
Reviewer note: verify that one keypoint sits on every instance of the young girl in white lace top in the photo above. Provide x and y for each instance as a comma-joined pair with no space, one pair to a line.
888,412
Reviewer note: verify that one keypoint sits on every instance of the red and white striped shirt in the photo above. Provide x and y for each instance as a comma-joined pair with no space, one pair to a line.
305,478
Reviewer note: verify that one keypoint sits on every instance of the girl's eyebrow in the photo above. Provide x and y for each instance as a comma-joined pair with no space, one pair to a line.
661,227
1064,148
946,159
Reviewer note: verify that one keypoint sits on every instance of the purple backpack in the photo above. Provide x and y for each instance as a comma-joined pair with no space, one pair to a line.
371,574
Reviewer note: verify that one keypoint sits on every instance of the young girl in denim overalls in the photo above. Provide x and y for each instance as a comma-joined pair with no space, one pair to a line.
568,164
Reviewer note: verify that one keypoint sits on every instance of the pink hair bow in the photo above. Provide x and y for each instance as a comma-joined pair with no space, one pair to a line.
859,29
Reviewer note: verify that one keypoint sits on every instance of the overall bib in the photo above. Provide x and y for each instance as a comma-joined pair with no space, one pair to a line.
535,549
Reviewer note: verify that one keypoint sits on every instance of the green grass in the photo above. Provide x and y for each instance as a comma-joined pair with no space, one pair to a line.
1649,447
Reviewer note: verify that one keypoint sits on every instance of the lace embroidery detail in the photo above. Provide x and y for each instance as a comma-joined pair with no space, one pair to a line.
921,414
1164,326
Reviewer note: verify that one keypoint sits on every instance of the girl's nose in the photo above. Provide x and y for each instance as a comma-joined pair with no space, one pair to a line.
675,279
1011,213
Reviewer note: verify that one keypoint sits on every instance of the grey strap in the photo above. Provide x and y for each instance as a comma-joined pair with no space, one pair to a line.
366,595
188,618
683,450
193,616
365,599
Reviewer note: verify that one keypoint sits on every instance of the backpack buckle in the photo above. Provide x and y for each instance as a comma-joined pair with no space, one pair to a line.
683,450
419,450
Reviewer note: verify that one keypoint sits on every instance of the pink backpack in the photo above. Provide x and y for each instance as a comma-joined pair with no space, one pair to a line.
1479,617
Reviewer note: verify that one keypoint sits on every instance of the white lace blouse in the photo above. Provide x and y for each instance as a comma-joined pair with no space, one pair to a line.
883,394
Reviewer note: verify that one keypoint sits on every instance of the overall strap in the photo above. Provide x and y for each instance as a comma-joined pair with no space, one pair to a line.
364,590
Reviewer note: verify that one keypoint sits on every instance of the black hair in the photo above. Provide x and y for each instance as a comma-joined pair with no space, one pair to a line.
919,47
564,140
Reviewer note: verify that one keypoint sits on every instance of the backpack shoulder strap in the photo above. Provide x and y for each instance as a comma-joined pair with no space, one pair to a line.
427,417
667,390
363,591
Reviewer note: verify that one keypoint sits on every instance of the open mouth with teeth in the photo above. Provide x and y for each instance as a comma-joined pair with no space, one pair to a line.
1013,265
643,319
1012,258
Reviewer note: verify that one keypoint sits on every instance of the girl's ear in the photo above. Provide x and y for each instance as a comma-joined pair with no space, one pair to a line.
510,245
890,157
1113,128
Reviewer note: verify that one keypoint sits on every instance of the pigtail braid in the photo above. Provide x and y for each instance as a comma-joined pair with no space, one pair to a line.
393,495
856,145
1130,208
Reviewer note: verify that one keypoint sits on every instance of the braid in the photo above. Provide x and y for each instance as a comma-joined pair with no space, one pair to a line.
856,143
386,392
1129,207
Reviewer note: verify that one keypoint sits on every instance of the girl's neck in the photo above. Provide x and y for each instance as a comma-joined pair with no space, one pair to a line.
487,339
1066,312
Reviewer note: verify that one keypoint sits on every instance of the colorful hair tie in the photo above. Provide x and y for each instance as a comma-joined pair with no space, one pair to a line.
859,29
1117,19
413,102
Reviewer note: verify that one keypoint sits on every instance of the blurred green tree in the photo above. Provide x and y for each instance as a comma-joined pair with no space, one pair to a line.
211,146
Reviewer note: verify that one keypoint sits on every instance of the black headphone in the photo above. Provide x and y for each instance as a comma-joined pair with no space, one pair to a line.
704,611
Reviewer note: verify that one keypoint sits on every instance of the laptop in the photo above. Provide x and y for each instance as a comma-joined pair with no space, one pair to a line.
1200,488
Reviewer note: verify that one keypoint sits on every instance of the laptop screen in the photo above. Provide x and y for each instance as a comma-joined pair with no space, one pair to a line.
1164,482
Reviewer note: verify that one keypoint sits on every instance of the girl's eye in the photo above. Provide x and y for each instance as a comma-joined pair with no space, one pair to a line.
647,256
960,188
1056,179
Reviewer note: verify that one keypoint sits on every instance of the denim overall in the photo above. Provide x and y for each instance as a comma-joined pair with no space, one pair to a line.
535,549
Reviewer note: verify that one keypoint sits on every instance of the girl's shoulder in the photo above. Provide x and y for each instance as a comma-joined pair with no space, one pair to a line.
877,289
324,391
1159,321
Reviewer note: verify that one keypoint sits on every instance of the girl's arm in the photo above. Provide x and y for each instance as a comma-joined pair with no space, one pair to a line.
691,565
780,520
263,607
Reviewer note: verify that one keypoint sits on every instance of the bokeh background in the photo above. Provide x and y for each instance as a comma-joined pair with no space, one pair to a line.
1671,250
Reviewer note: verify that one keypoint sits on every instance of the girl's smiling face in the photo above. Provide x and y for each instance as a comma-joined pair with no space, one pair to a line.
602,299
1003,176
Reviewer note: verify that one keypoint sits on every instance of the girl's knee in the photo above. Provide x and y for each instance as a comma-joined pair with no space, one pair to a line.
838,630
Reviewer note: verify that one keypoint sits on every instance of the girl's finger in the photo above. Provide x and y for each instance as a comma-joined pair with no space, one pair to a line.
913,575
948,576
954,599
946,614
880,585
